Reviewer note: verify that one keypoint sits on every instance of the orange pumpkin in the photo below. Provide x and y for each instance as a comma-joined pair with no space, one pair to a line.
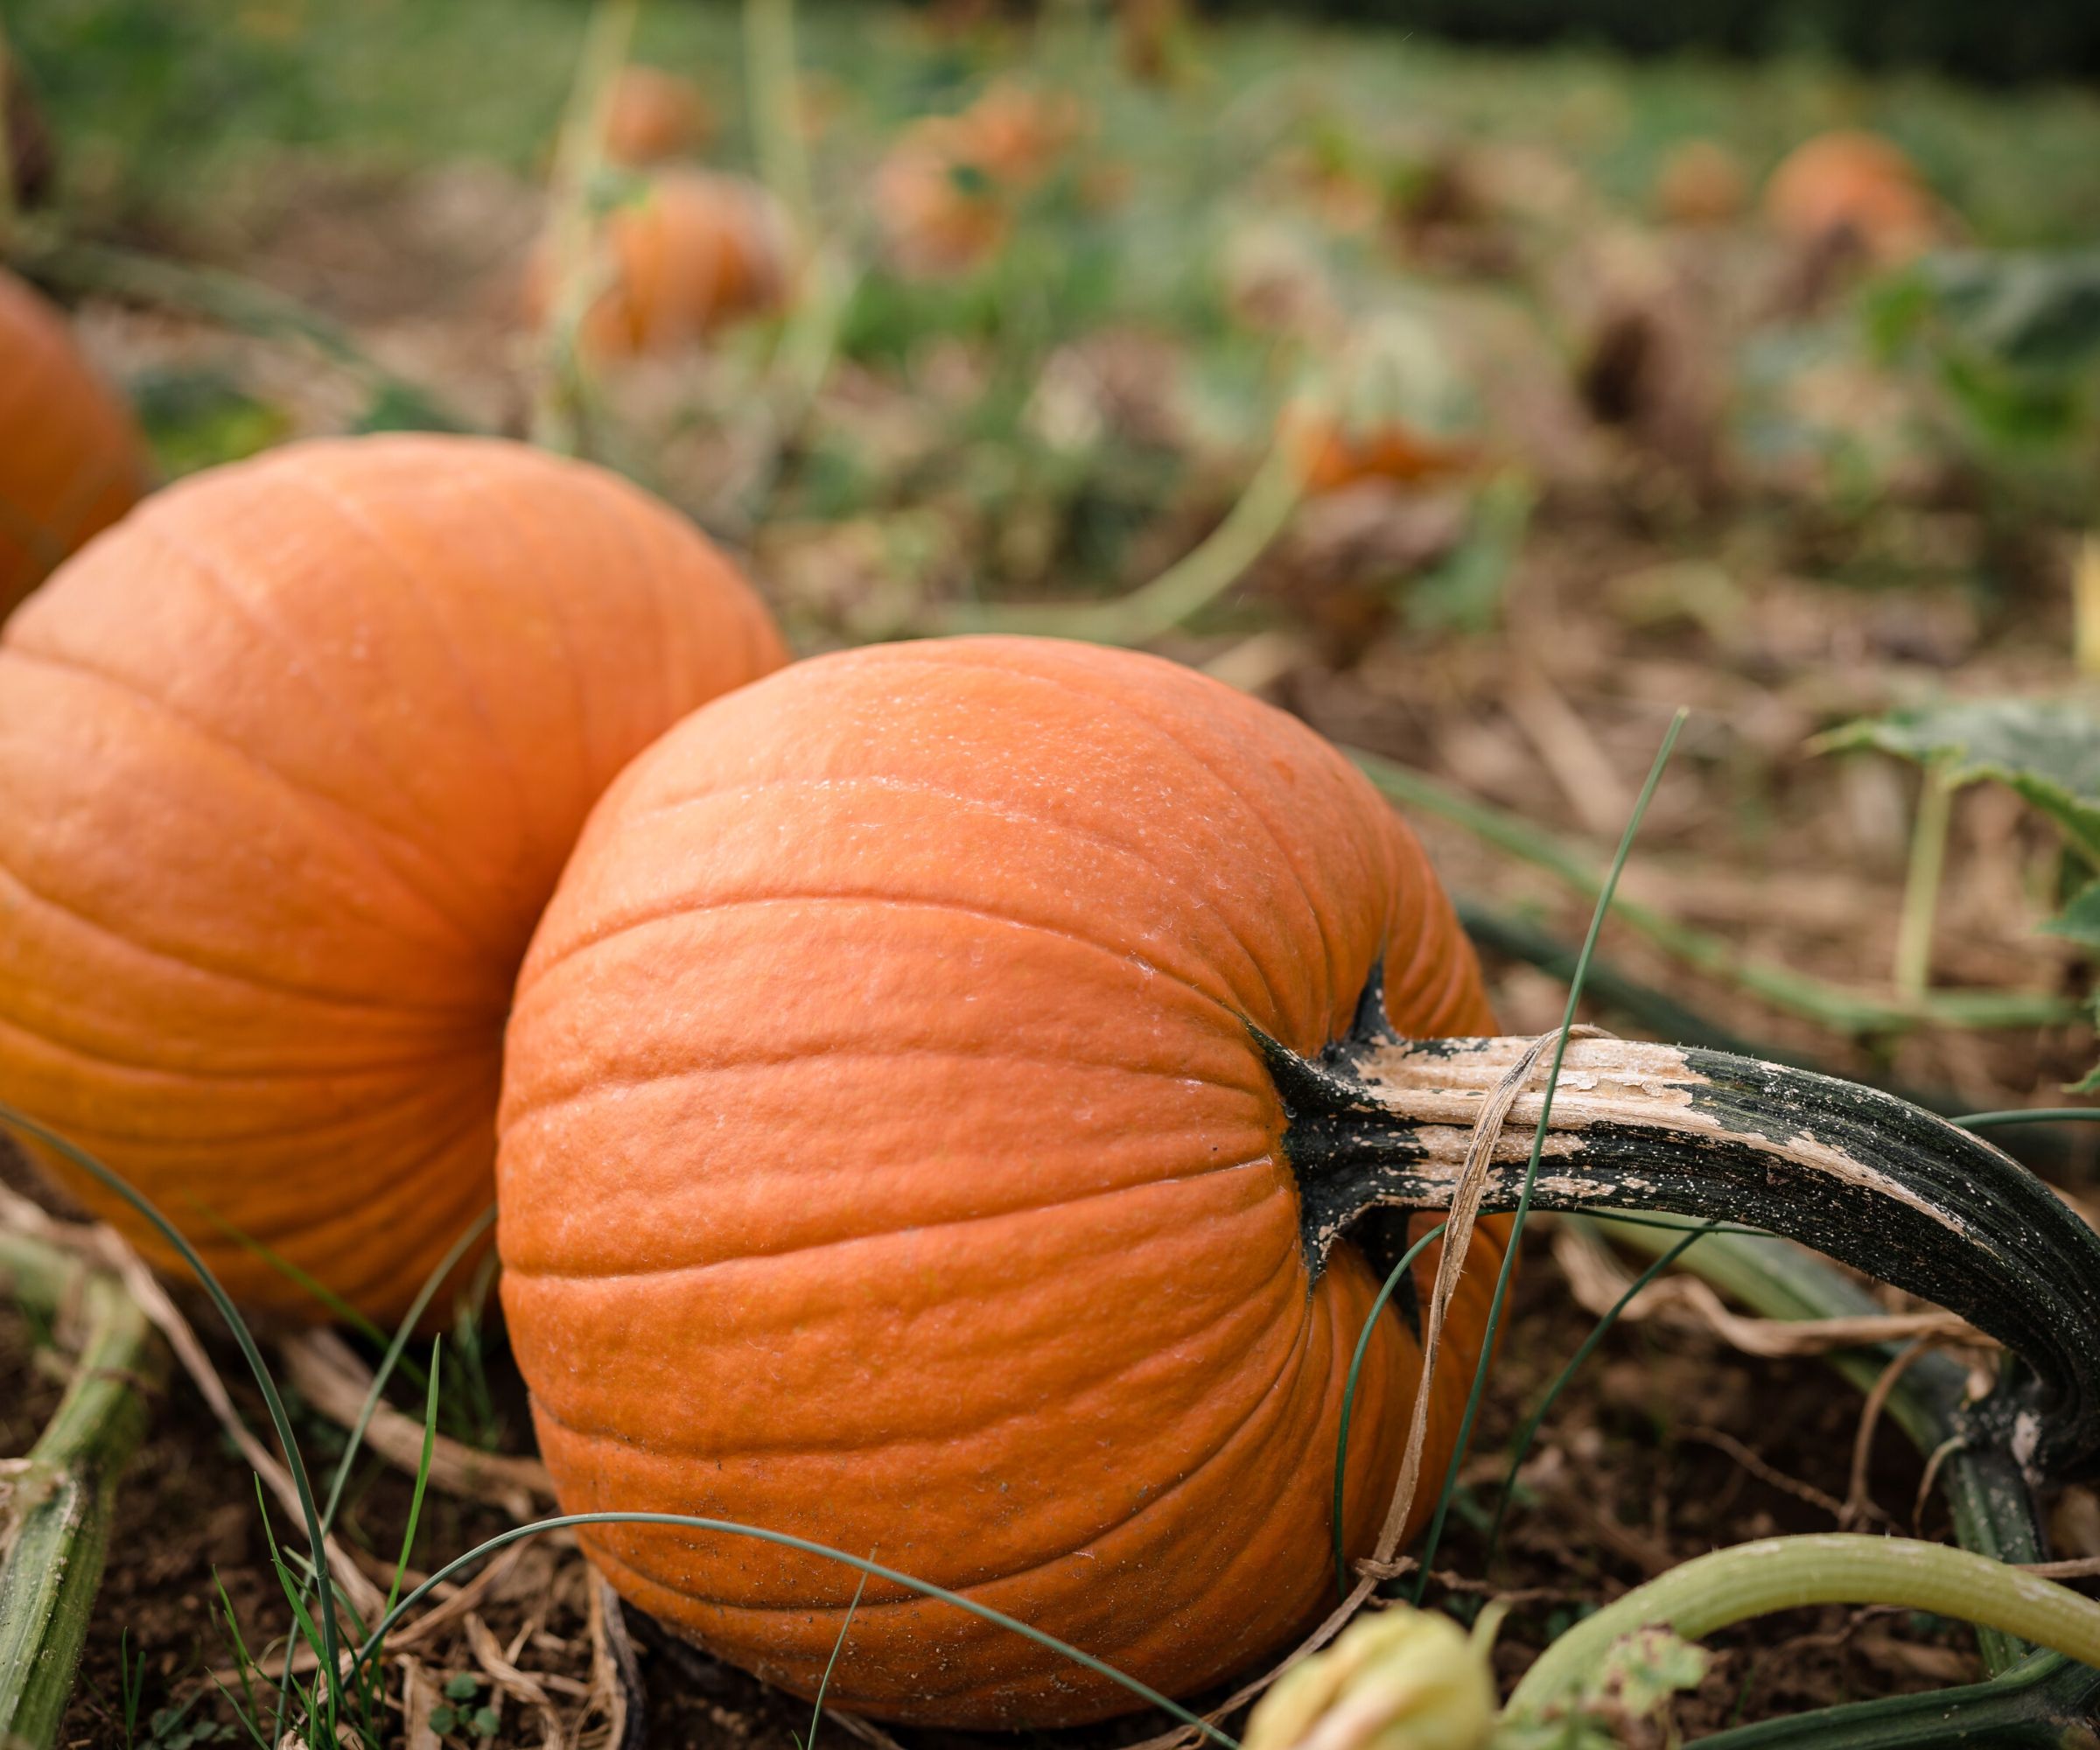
1701,183
652,116
1856,187
945,192
289,763
692,251
72,460
885,1158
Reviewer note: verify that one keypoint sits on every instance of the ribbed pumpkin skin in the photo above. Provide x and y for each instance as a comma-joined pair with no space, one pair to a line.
884,1160
72,460
289,763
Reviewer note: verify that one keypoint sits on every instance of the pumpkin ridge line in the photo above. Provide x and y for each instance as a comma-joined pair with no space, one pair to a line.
232,975
1293,1359
982,804
444,1141
467,1200
211,571
347,511
330,811
506,517
219,1247
602,1086
607,1437
72,1048
1324,1009
1267,1157
896,902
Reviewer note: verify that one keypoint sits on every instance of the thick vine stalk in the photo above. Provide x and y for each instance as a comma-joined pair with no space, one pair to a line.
1732,1586
1994,1513
1913,971
771,84
1857,1174
1191,583
58,1501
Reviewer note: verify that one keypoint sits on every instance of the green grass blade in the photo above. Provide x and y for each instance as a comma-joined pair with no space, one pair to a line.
1539,1144
1349,1397
817,1717
1529,1432
279,1417
2029,1115
423,1475
431,1284
304,1280
731,1528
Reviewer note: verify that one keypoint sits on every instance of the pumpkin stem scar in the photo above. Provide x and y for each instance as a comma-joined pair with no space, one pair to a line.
1376,1121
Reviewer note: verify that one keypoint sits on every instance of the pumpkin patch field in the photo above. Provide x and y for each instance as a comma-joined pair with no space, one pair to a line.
1099,873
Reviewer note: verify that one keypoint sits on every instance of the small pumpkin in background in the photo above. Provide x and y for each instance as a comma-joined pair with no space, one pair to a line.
688,252
1853,189
72,458
289,761
886,1159
1701,183
652,116
946,191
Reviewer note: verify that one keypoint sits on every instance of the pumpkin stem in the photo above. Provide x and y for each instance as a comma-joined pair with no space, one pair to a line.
1857,1174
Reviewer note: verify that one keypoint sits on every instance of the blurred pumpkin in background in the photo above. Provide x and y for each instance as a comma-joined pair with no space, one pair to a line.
289,761
691,252
72,458
1851,189
653,116
1701,183
946,191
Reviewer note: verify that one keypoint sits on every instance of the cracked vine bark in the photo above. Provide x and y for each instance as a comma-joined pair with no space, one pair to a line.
1378,1121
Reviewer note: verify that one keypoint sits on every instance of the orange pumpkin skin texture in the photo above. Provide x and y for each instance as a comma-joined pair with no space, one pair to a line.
885,1159
288,763
72,460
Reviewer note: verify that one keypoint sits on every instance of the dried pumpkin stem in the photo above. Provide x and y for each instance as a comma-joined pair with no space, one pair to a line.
60,1497
1855,1173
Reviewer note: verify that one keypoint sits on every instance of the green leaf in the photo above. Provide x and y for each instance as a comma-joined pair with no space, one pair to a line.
461,1688
2035,311
2046,750
486,1720
443,1718
2080,920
